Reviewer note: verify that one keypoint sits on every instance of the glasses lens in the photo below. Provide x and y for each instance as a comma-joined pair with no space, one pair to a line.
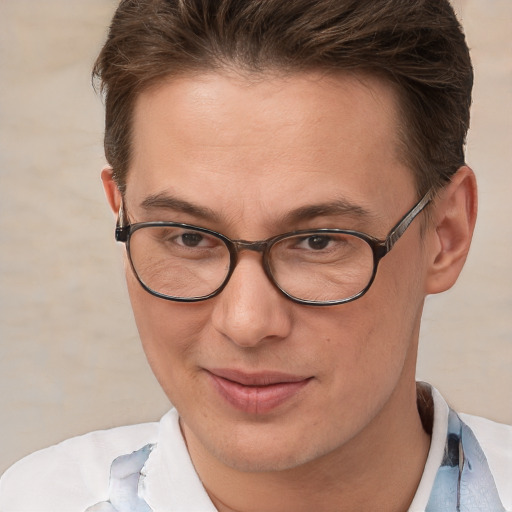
179,262
322,266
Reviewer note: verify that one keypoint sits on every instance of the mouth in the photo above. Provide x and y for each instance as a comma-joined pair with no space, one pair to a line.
256,393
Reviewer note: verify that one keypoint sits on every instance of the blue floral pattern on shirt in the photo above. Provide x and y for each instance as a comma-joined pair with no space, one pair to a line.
464,482
126,479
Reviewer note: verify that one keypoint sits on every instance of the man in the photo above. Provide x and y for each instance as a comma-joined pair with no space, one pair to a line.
289,181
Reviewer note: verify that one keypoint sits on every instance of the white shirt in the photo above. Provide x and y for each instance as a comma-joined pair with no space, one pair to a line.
74,475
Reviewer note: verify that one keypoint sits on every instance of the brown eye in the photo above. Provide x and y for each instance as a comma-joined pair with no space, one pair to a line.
191,239
318,242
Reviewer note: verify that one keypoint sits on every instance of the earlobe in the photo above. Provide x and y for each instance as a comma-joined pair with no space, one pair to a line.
454,218
111,189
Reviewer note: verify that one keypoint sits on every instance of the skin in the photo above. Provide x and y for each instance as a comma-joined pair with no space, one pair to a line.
246,154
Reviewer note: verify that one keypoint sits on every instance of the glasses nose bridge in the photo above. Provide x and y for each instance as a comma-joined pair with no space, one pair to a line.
237,246
246,245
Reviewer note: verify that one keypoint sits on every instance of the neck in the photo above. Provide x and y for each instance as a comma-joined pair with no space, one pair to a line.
379,469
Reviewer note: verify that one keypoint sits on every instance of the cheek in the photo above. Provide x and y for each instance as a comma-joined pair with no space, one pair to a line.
396,302
169,332
373,339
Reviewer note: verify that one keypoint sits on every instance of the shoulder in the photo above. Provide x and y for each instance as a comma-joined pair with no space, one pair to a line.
73,474
496,442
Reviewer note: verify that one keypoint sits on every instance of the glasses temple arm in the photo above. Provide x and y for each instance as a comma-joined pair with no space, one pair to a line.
122,230
405,222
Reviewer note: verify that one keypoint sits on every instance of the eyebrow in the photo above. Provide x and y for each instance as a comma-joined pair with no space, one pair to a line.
167,202
339,207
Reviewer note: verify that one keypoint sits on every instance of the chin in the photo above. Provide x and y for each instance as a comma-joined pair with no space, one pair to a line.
265,451
263,461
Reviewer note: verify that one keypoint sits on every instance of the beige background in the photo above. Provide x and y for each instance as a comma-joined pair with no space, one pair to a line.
70,359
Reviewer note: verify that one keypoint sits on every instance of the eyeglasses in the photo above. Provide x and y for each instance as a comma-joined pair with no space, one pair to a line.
320,267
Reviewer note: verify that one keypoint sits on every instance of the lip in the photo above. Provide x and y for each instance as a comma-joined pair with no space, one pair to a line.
256,393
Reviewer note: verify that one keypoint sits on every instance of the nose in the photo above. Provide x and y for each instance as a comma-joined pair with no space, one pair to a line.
250,310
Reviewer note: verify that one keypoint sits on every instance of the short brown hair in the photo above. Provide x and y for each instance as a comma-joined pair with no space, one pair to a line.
416,44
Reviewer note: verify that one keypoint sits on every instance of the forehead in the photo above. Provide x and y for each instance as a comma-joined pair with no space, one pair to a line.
267,143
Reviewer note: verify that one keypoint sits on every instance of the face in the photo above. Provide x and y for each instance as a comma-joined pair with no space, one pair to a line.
261,382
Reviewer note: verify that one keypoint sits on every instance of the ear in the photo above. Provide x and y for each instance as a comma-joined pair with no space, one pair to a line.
111,190
450,235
